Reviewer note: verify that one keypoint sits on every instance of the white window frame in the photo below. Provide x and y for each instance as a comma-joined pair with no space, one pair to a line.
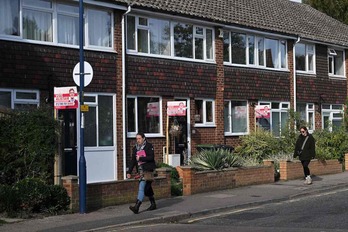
331,56
230,132
204,122
330,110
309,109
132,134
172,51
308,52
256,50
54,24
95,104
283,108
15,101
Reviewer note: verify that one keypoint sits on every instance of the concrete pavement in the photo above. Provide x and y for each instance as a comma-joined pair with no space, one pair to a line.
183,207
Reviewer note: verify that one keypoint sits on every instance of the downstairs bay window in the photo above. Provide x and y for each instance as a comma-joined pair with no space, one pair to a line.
235,117
204,115
277,119
307,114
332,116
19,99
144,115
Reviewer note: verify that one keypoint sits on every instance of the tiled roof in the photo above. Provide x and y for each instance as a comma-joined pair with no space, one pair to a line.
279,16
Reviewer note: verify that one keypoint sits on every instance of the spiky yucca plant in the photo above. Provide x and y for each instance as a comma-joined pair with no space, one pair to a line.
216,159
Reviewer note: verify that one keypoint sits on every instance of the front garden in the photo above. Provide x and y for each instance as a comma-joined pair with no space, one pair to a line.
27,148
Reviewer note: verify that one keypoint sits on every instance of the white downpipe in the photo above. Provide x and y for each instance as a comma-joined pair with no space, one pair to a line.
294,71
124,92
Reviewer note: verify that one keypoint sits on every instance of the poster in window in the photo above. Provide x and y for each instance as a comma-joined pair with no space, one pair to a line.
152,109
240,112
176,108
262,112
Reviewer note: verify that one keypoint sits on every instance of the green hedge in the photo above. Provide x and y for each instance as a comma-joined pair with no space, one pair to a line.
32,195
27,145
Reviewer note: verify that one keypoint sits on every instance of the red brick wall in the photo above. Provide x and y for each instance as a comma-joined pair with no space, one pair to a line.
28,66
166,77
114,193
247,83
220,90
205,181
293,169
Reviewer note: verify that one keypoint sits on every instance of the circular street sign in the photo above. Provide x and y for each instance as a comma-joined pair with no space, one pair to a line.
88,70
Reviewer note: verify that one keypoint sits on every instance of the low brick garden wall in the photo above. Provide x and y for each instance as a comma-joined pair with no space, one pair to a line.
290,170
101,195
205,181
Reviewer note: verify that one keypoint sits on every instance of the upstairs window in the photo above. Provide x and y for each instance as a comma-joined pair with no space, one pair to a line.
252,50
68,24
55,22
167,38
9,17
99,27
336,62
305,57
38,20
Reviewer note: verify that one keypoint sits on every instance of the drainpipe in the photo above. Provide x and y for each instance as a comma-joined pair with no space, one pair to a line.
294,70
124,92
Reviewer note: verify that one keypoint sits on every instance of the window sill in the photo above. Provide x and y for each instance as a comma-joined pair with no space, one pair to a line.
133,135
337,77
256,67
91,48
204,125
306,73
130,52
235,134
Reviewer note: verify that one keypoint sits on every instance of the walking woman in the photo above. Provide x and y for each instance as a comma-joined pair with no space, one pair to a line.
143,159
305,150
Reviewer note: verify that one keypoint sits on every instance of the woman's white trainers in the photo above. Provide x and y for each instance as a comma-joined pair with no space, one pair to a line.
308,180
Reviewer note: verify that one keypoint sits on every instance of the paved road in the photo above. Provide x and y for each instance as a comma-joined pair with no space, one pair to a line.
322,212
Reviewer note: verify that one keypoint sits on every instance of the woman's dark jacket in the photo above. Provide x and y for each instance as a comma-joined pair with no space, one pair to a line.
149,160
308,151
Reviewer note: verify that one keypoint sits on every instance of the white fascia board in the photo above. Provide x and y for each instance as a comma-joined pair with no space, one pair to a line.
103,4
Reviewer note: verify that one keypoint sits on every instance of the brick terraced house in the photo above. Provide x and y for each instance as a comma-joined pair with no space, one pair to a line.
227,60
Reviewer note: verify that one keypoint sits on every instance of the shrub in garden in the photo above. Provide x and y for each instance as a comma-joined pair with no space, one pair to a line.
214,159
27,145
27,148
175,182
331,145
32,195
258,144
